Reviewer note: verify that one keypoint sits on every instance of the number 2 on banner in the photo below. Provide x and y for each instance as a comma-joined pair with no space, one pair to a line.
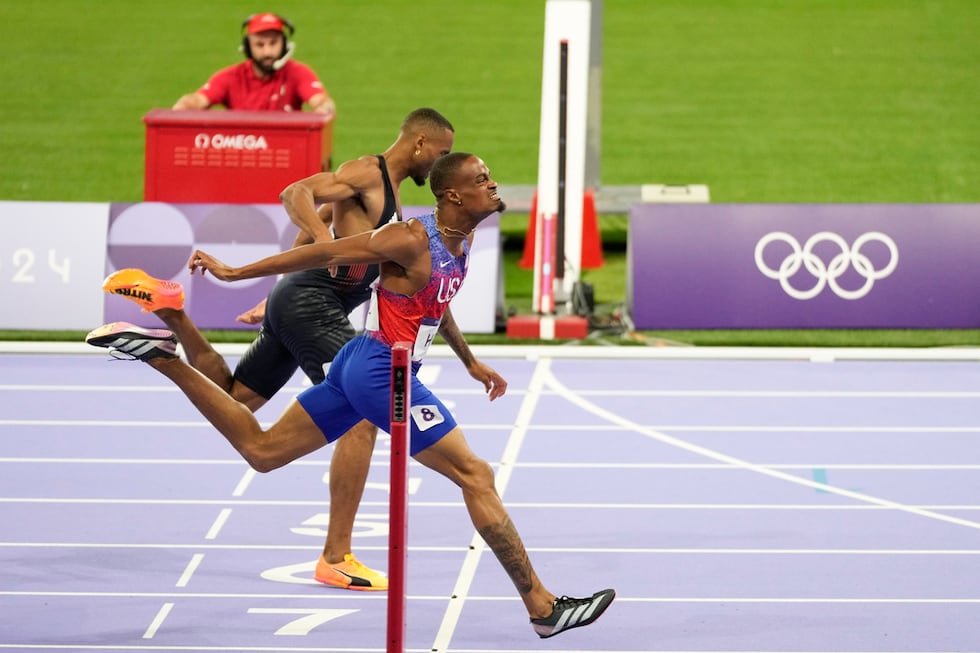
24,259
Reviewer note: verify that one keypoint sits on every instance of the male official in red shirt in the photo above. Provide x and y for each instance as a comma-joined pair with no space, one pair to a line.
269,80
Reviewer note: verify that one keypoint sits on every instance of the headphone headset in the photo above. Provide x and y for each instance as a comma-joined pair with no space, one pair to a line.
287,34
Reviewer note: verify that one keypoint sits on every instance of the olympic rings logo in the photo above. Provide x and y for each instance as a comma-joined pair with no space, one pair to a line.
826,274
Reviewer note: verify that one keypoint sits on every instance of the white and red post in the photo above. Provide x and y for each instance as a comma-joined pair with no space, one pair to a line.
401,404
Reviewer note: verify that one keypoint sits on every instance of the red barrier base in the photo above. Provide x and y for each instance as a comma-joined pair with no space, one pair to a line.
547,327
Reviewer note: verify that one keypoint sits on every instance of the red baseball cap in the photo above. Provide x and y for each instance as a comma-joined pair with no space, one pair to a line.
265,23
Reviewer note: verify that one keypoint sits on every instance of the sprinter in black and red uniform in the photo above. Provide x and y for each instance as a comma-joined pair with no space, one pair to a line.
305,318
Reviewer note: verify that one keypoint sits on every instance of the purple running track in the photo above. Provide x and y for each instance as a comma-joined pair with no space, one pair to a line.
735,505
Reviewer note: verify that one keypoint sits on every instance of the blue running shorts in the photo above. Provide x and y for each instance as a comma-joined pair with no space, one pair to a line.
358,386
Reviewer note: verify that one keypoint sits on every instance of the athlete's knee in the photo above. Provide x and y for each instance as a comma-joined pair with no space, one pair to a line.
363,432
265,454
476,475
261,459
367,430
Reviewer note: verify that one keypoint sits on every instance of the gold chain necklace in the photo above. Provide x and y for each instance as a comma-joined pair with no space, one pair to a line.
443,228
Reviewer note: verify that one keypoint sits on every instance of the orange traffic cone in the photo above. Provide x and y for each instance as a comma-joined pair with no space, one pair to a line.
591,240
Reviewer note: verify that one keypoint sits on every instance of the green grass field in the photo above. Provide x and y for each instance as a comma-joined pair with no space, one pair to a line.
763,100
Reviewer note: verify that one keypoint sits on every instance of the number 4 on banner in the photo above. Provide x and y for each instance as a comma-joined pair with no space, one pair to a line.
62,267
313,617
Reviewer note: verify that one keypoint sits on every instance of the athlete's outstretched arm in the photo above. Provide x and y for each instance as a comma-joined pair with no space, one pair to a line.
400,242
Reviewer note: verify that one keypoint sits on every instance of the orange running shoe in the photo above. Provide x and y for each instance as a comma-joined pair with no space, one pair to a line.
149,292
349,574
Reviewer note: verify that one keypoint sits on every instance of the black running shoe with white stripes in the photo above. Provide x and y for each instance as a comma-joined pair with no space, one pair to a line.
129,342
572,613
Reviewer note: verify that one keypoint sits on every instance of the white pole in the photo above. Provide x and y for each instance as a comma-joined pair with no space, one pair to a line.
565,20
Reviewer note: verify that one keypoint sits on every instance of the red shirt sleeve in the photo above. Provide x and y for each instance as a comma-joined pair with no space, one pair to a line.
307,83
218,88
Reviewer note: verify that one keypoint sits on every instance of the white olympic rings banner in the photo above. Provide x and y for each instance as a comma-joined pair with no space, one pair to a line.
828,273
804,266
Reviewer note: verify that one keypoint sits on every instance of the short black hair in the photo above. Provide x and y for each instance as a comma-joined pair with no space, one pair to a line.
426,117
444,170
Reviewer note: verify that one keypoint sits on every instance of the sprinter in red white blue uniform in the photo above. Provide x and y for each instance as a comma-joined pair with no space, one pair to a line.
422,264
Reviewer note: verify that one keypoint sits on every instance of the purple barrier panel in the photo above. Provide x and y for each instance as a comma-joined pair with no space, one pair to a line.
160,237
760,266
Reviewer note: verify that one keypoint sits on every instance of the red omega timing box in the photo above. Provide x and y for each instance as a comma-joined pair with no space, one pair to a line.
234,157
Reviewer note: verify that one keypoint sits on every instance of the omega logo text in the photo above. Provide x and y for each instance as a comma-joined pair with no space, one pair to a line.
230,142
826,273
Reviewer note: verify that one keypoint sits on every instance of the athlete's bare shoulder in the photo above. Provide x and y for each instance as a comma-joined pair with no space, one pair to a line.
361,174
363,209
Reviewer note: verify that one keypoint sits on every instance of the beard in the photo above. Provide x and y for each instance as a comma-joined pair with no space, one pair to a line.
419,179
268,66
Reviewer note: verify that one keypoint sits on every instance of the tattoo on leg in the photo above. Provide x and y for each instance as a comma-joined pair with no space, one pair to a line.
503,540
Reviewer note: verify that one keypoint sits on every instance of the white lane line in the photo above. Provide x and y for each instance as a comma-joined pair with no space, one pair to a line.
477,545
218,524
158,620
734,428
614,418
759,428
803,394
513,505
457,548
722,466
439,598
543,549
245,481
192,566
169,461
250,474
784,394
